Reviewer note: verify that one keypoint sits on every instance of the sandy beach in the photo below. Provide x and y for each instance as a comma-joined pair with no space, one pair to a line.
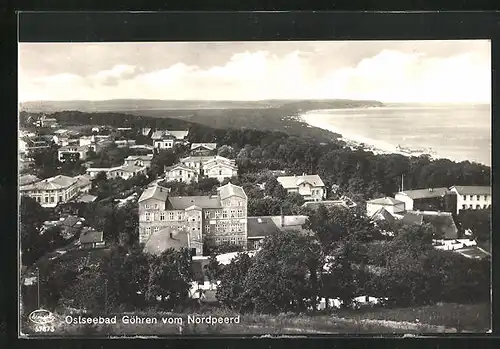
455,132
355,141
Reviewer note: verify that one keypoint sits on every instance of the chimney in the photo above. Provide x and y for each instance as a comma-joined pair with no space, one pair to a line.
282,217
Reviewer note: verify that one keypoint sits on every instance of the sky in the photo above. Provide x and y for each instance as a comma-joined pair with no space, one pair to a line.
387,71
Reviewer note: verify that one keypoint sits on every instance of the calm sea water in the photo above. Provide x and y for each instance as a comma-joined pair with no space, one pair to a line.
456,132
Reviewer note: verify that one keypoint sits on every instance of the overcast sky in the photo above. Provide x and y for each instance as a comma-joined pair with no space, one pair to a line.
388,71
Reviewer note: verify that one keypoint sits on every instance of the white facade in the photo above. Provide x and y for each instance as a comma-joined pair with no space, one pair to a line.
124,171
408,201
219,170
310,187
81,152
472,198
181,173
52,191
164,144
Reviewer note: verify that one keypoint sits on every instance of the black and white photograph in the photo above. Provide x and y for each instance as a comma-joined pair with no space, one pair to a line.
254,188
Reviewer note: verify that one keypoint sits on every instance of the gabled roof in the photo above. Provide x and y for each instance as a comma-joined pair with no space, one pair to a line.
194,207
139,157
425,193
53,183
208,146
202,159
158,134
155,192
383,215
262,226
472,190
387,201
183,202
229,190
162,240
180,167
91,236
217,163
145,131
179,134
294,181
131,168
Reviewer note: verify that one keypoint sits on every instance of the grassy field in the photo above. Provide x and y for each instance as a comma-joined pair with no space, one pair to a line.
445,318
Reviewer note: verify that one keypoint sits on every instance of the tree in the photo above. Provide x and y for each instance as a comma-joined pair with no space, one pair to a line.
336,223
170,275
284,276
478,221
32,216
164,158
226,151
232,283
213,269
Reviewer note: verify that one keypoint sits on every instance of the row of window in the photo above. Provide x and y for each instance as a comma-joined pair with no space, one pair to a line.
478,197
233,240
478,207
225,227
316,192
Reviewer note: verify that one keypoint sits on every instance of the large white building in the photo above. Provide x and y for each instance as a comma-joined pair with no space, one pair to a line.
139,160
311,187
472,197
55,190
181,173
218,218
212,166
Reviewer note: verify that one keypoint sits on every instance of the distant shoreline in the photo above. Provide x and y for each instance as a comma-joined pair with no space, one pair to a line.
359,142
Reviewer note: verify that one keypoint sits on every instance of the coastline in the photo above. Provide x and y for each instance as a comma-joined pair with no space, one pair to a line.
354,141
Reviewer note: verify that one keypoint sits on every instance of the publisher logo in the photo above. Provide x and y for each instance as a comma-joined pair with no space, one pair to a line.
41,317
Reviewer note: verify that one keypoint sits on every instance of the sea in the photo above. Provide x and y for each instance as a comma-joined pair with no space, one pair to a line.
457,132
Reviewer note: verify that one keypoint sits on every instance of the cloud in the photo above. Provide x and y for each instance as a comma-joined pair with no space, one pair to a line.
114,75
388,75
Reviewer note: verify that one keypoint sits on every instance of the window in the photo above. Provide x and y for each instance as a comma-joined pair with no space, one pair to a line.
217,228
162,216
217,214
156,229
171,216
485,206
233,213
189,175
463,207
207,228
470,197
207,214
224,214
179,216
148,216
240,213
60,198
465,197
233,228
148,230
486,197
240,203
46,199
478,207
220,172
146,207
477,198
180,173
